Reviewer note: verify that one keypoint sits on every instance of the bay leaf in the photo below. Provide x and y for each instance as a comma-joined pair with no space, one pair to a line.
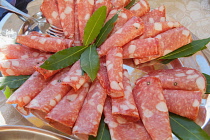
94,25
188,49
90,61
186,129
8,92
12,82
106,30
130,4
63,58
208,83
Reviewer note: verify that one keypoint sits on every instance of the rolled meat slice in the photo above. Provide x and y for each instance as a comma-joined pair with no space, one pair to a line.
67,110
114,64
181,79
148,95
155,15
125,107
77,41
28,90
141,48
51,94
131,29
49,9
17,51
48,44
18,67
119,131
66,13
46,73
120,3
99,3
90,114
22,110
87,7
140,8
183,103
75,78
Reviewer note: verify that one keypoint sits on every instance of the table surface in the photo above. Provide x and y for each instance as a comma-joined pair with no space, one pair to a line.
195,15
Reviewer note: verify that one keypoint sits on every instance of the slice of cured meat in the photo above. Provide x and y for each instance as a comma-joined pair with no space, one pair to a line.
66,13
16,51
125,106
48,44
22,110
28,90
141,48
119,131
140,8
46,73
75,78
18,67
87,7
99,3
155,15
49,9
114,64
51,94
120,3
148,95
181,79
77,41
183,103
153,29
130,30
90,114
67,110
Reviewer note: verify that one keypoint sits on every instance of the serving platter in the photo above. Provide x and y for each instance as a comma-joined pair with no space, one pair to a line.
197,61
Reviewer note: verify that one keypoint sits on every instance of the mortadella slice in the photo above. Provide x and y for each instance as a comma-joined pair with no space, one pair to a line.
131,29
67,110
121,131
148,95
75,78
183,103
140,8
28,90
120,3
51,94
66,13
90,114
114,64
125,107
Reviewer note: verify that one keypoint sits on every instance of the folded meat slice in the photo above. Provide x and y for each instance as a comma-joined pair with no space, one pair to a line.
140,8
99,3
120,3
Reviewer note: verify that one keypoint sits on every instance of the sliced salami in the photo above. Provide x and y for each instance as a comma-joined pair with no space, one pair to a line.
49,9
48,44
140,8
130,30
87,7
66,12
183,103
18,67
148,95
155,15
51,94
75,78
22,110
114,64
141,48
181,79
67,110
99,3
120,131
16,51
125,106
28,90
77,41
120,3
90,114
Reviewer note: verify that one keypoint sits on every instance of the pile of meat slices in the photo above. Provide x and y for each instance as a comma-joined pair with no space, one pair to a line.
69,101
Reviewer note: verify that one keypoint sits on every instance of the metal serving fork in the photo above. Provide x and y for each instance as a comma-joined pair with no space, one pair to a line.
51,30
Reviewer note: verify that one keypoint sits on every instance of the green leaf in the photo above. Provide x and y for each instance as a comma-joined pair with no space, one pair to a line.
103,132
90,62
106,30
208,83
8,92
94,25
130,4
188,49
63,58
12,82
186,129
166,61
